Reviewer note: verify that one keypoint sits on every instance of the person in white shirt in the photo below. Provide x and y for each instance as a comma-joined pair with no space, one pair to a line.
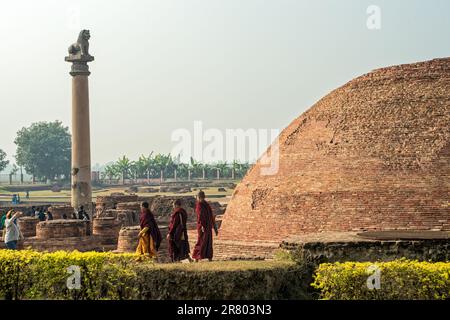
11,232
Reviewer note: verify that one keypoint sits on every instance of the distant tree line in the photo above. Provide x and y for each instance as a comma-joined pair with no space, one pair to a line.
44,151
165,166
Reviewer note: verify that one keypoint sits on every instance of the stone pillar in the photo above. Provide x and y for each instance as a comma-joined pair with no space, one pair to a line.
81,153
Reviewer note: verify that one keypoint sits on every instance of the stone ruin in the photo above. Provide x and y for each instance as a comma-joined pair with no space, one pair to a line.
58,211
114,227
373,155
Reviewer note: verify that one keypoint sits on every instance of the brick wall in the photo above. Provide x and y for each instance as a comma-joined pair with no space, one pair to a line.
59,211
62,229
27,226
372,155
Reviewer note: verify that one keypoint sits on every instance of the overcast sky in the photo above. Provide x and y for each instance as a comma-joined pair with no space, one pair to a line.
161,65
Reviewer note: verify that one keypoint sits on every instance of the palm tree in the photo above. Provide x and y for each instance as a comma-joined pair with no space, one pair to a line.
111,171
164,163
196,167
124,166
145,166
223,167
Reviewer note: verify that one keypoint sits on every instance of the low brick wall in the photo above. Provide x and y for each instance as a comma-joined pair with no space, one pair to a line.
107,230
62,229
353,248
84,243
27,226
128,241
236,250
59,211
135,206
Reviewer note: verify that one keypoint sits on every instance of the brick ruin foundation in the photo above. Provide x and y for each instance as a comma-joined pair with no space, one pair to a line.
27,226
372,155
59,211
62,229
114,228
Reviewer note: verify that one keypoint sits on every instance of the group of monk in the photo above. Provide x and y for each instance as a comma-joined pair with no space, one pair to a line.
150,237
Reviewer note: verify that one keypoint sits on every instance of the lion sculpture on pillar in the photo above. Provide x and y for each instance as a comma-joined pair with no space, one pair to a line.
81,47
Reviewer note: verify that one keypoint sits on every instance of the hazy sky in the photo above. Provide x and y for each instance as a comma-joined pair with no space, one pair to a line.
161,65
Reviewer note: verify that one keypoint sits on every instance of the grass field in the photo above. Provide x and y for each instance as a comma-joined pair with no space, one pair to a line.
64,195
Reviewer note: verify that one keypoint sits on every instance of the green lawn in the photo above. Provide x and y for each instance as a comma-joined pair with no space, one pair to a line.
64,195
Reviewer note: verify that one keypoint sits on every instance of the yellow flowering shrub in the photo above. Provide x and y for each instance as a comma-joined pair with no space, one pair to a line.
26,274
398,280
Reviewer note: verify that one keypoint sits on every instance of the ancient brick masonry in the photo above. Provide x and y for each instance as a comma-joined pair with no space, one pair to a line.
372,155
107,230
27,226
128,241
59,211
62,229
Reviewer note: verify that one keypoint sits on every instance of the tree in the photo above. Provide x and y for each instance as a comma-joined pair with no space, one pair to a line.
13,172
3,161
44,150
124,166
112,172
164,164
144,166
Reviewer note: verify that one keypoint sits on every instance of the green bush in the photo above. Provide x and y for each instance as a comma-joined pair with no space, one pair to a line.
399,280
28,274
241,280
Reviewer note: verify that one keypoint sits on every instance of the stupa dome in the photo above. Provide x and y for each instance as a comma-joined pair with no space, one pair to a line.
373,154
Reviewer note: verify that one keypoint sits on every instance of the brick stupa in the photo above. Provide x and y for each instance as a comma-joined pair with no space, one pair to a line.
371,155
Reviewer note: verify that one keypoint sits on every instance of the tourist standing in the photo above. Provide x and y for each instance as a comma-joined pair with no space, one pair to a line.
205,224
177,235
149,236
11,232
86,216
41,214
2,220
49,215
81,213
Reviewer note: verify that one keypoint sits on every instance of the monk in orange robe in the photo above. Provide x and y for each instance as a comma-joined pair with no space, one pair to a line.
149,236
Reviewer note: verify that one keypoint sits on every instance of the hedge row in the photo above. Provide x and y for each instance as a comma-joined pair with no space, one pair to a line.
396,280
26,274
239,280
33,275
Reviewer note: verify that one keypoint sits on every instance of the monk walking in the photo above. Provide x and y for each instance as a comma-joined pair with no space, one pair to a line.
178,236
149,236
205,224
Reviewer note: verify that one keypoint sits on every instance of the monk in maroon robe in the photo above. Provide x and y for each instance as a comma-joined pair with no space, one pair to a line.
205,224
149,236
177,235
